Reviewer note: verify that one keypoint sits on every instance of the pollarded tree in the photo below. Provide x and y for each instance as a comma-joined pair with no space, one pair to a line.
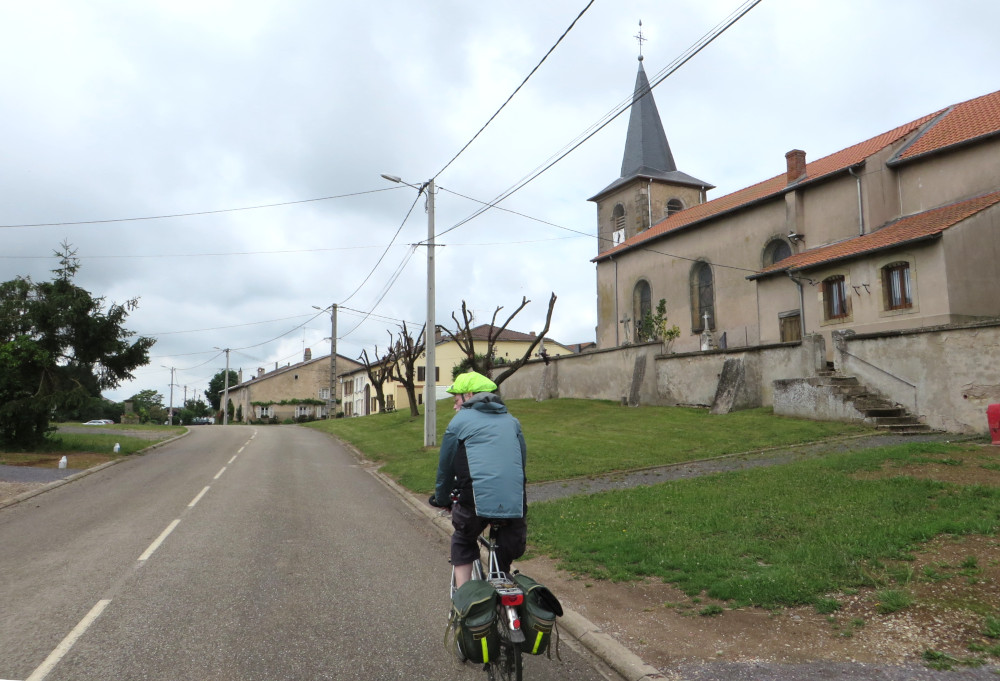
404,353
379,371
58,345
482,359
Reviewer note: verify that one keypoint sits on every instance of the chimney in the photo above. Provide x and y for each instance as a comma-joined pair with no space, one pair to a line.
796,160
308,355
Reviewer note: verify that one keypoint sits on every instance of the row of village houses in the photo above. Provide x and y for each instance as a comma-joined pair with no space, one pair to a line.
302,391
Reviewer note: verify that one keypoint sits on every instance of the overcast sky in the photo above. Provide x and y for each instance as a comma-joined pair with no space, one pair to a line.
114,109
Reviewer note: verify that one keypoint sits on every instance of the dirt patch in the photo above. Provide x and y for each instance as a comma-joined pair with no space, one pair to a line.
668,629
977,465
75,460
9,490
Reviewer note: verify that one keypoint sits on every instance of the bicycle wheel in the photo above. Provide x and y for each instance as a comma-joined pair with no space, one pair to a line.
507,666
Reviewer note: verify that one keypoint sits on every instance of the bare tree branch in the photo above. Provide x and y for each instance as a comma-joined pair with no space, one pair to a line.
484,362
514,366
378,372
405,353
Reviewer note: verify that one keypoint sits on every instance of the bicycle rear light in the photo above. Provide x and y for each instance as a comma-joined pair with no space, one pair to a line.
512,599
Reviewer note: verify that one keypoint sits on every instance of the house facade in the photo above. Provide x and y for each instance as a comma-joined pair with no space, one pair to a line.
359,393
900,231
292,392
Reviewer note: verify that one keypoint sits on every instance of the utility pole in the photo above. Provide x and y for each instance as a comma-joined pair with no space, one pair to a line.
225,394
171,411
333,362
430,335
430,330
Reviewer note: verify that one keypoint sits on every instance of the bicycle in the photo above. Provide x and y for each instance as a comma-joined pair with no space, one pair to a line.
508,664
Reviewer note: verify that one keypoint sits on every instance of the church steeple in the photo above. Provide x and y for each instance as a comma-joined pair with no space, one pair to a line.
650,187
646,148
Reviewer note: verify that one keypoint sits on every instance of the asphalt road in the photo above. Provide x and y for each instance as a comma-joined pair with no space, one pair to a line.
233,554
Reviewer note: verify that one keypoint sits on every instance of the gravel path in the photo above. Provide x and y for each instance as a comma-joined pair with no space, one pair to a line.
29,474
545,491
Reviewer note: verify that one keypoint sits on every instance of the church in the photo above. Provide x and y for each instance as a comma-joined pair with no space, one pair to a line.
900,231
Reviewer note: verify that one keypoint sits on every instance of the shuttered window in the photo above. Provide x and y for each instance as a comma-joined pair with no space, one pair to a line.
896,284
835,297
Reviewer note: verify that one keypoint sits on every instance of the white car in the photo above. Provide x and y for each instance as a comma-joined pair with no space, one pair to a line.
100,422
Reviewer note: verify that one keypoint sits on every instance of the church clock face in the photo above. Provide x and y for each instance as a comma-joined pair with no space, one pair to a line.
617,237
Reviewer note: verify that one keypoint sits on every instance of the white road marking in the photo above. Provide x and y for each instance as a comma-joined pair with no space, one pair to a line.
53,659
159,540
198,498
232,459
240,450
219,474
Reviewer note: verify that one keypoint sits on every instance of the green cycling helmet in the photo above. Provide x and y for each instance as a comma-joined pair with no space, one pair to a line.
471,382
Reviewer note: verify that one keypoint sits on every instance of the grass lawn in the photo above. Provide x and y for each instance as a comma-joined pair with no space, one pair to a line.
571,438
84,450
781,535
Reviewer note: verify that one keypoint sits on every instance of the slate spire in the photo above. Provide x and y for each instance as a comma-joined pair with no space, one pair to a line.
647,151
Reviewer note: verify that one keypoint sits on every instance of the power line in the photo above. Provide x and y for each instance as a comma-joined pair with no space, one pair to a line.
203,212
392,280
591,235
697,47
220,328
391,242
189,255
517,89
376,316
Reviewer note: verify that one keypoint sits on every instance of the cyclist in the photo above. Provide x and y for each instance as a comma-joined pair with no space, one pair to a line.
482,457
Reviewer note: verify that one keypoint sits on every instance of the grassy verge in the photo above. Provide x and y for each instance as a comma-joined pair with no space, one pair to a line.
783,535
84,450
573,438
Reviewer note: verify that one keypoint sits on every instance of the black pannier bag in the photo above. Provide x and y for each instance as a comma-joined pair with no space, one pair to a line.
538,615
474,619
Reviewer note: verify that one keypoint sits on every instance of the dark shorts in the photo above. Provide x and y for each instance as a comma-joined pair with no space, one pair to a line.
511,537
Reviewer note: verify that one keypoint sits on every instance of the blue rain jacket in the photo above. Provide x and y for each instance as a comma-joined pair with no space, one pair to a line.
483,455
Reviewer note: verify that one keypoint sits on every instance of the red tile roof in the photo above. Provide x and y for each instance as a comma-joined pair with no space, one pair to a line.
924,225
482,332
958,124
979,117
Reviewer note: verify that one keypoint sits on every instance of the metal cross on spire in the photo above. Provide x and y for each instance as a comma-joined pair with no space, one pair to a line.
640,38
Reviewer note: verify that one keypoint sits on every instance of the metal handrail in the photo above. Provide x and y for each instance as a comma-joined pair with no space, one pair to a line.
916,389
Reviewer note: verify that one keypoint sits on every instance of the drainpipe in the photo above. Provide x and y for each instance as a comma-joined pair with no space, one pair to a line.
802,306
861,215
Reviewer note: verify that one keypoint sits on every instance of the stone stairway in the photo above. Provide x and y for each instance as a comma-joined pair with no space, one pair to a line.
876,409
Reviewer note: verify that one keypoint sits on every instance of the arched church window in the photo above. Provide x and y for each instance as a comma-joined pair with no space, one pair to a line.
702,297
642,305
618,218
776,251
674,206
617,224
